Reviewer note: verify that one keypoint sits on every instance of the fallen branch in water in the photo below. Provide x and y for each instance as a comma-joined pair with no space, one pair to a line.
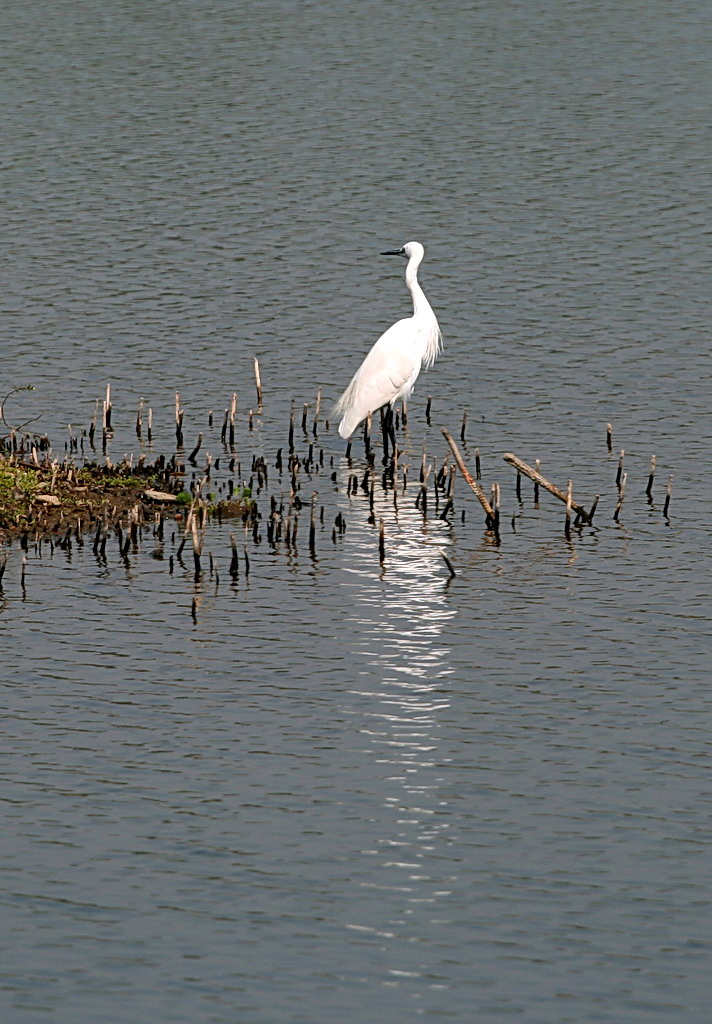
478,492
534,475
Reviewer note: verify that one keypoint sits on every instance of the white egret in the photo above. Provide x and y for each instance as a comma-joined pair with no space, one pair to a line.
390,370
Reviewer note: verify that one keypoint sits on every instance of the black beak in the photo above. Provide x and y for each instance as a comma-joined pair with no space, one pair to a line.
394,252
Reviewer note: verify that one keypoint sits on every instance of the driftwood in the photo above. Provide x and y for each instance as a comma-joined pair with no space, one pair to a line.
161,496
564,496
479,493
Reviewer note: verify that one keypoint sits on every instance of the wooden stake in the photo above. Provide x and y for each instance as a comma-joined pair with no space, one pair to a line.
317,410
258,385
621,496
107,409
191,457
651,478
450,494
609,437
233,411
179,422
92,427
668,495
381,541
312,527
495,507
619,474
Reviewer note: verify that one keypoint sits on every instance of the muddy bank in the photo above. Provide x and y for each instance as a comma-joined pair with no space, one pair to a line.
41,498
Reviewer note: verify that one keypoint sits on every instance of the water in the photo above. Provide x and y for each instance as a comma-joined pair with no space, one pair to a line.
335,790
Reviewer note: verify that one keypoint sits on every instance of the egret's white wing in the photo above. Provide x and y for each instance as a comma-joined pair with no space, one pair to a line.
387,373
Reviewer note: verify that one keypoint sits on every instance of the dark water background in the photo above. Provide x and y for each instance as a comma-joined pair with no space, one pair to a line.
345,791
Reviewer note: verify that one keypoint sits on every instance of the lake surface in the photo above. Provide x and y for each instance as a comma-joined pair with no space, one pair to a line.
339,788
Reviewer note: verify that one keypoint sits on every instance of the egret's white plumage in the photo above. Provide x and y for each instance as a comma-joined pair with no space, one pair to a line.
391,368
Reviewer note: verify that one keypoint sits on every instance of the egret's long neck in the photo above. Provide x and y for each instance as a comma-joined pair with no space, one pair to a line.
420,303
424,318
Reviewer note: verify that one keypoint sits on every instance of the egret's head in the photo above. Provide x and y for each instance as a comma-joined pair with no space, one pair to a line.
407,250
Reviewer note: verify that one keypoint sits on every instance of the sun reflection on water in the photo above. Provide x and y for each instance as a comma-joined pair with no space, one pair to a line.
403,617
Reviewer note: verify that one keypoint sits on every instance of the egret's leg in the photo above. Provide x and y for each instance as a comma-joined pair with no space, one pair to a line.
392,430
367,435
389,433
385,413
